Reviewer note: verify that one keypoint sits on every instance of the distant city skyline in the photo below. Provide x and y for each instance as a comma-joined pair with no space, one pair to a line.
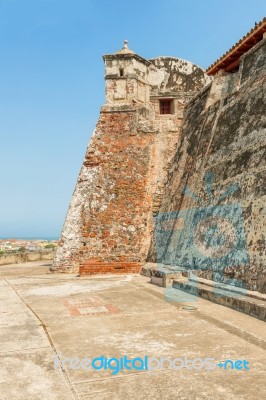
52,86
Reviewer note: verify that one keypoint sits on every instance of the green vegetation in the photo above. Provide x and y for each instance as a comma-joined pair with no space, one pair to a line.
49,246
22,249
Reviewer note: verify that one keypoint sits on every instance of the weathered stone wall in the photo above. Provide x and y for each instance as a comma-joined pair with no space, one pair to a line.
123,175
176,78
224,137
112,210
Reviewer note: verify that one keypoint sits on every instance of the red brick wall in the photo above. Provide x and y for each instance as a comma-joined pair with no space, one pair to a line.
115,229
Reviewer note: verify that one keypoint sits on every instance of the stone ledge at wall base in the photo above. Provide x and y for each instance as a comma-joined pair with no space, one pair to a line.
109,267
245,301
17,258
177,279
161,274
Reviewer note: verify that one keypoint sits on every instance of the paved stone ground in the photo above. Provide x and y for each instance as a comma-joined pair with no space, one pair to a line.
43,314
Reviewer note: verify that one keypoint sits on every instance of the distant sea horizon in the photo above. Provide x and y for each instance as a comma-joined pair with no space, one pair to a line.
49,238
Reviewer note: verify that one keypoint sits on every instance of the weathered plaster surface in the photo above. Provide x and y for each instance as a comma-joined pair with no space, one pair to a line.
224,134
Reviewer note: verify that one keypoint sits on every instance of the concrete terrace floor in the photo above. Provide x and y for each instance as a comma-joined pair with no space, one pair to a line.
42,314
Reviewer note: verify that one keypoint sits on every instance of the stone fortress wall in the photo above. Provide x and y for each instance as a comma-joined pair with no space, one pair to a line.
223,135
139,161
123,175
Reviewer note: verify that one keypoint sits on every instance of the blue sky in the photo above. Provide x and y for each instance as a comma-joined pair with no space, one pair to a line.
52,85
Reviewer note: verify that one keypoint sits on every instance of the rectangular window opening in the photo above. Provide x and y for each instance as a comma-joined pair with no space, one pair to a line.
166,106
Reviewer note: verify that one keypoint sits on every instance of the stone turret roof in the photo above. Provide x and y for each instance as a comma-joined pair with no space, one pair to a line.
230,60
125,53
125,49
